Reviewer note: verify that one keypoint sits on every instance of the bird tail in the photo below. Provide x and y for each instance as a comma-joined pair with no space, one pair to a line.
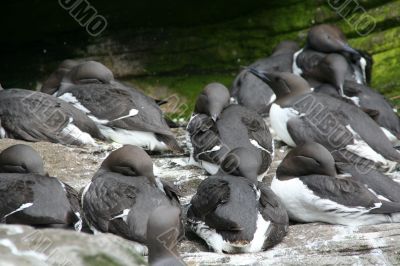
171,142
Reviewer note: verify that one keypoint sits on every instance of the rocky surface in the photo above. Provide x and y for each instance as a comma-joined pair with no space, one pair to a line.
305,244
26,246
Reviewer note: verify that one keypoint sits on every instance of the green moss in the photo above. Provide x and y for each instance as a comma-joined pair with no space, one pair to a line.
382,17
283,19
228,45
386,72
103,259
100,260
185,88
183,57
378,41
386,12
386,75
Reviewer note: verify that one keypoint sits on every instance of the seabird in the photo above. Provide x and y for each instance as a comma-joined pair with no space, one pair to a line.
373,104
254,94
21,158
234,126
53,82
35,116
299,115
212,100
123,114
74,72
237,214
319,68
88,72
381,185
327,39
123,194
308,185
163,230
30,196
362,65
333,70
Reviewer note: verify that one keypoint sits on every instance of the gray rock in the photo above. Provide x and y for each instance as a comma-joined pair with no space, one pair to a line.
24,245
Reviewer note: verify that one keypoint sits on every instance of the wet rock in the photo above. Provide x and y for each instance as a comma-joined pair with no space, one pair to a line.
24,245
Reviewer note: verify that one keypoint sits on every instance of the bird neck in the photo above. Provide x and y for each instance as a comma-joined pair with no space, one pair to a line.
288,99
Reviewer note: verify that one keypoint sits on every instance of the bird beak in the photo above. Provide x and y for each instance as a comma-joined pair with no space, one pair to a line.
214,117
259,74
349,49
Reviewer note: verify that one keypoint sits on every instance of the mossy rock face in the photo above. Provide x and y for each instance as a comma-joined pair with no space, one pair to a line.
178,48
99,260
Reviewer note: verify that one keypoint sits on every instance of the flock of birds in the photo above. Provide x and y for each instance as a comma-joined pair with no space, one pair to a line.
315,99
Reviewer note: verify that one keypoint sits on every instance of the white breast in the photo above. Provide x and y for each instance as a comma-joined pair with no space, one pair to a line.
75,133
363,64
273,98
260,235
219,245
2,132
146,140
211,168
304,206
84,193
279,118
295,69
358,76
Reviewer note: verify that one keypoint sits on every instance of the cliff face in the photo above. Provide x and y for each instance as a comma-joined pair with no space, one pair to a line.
179,47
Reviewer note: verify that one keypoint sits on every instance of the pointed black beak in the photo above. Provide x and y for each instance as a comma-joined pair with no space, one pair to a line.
351,50
259,74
